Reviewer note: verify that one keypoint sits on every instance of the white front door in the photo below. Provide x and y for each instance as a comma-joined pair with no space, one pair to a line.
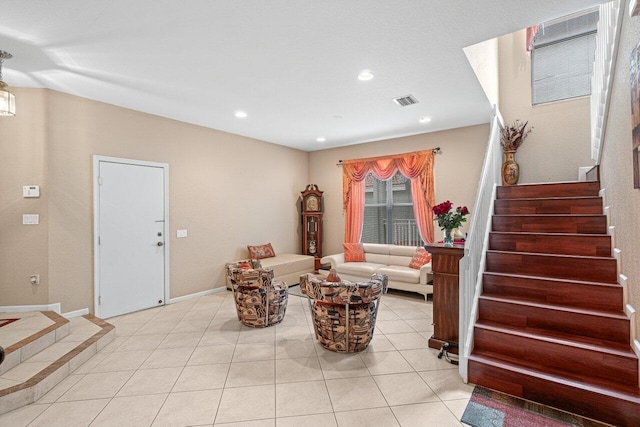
130,247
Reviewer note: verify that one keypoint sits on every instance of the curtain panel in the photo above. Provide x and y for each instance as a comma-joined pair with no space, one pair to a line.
417,166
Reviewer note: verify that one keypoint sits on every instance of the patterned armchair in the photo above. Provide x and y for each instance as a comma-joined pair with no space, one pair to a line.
260,300
344,314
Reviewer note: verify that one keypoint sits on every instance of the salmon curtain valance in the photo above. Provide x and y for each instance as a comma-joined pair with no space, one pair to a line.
417,166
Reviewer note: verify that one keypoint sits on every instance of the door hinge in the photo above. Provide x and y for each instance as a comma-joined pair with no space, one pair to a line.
99,180
99,241
100,299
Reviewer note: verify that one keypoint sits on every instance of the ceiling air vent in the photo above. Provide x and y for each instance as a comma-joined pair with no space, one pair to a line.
405,101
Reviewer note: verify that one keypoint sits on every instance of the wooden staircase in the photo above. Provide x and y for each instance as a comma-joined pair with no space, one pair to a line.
551,326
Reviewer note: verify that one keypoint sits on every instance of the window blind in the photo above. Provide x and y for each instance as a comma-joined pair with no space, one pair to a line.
562,59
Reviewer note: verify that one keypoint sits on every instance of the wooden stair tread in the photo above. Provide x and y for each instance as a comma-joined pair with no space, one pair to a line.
525,276
537,254
546,233
524,302
553,375
549,215
555,198
557,189
560,337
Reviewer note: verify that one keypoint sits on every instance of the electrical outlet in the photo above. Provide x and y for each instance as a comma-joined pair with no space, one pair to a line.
34,279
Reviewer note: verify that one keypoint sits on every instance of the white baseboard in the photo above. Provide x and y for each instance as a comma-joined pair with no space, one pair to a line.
22,308
76,313
197,295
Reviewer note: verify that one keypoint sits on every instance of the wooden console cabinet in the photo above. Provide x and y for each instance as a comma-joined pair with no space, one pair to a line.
444,265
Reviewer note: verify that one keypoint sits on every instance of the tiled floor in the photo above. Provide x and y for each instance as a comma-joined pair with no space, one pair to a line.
194,364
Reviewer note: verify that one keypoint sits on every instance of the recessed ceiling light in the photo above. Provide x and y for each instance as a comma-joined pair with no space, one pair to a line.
365,75
425,119
321,139
241,114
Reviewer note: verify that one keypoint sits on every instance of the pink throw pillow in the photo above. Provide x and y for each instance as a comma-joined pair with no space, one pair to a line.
420,258
261,251
353,252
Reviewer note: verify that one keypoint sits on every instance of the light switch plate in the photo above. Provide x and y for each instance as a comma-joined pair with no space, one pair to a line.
181,234
30,219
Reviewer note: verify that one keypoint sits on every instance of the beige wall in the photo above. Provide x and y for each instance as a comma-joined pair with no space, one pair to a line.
226,190
560,141
617,168
23,248
483,58
456,171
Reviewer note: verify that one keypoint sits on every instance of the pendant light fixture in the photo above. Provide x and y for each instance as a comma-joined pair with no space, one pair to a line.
7,100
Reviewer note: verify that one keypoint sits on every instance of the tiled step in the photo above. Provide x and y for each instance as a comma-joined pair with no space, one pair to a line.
557,350
553,205
574,224
606,401
35,376
596,269
560,189
606,326
552,243
570,293
33,332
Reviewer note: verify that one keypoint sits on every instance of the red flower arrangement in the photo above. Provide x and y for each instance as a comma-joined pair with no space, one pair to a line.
449,220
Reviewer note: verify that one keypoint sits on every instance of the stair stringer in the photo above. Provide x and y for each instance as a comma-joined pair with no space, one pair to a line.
629,310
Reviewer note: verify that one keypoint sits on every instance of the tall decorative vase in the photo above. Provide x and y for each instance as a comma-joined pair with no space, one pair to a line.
448,238
510,169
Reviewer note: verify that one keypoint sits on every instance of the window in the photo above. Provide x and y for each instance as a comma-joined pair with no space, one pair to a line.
562,58
388,212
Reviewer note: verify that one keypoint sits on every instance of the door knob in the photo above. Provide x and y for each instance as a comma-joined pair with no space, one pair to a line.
160,244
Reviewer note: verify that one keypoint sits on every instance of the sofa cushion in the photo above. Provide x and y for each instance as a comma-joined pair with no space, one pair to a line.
261,251
400,273
402,250
398,260
365,269
353,252
376,248
376,258
288,263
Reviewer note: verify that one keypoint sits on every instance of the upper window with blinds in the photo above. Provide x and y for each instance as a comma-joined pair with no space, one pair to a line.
562,58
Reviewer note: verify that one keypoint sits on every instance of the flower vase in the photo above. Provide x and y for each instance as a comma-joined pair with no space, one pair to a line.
510,169
448,238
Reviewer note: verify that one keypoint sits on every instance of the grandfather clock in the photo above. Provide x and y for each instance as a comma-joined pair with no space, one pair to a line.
312,223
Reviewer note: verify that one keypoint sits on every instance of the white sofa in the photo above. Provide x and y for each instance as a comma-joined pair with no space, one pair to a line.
286,267
391,260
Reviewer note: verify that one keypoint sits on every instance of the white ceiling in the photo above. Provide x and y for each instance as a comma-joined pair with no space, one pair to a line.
291,65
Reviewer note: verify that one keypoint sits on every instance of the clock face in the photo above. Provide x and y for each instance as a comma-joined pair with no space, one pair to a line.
312,203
